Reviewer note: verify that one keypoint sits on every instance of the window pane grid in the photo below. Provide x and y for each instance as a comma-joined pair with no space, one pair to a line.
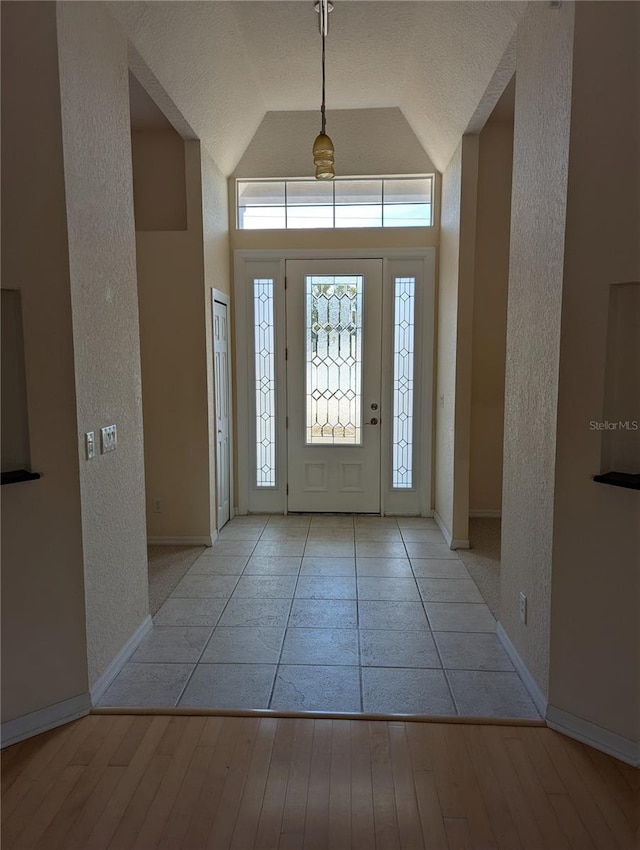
263,306
345,202
403,368
333,332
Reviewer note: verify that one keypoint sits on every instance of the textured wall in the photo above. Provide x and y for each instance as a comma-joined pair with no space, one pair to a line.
282,148
490,315
215,225
174,376
447,307
367,141
540,154
97,158
43,617
217,275
595,611
455,317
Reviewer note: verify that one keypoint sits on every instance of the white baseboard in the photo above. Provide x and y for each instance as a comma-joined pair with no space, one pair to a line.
452,543
45,718
595,736
102,683
183,541
443,528
485,514
530,683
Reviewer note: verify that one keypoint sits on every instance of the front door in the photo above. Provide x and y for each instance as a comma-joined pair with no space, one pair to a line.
333,362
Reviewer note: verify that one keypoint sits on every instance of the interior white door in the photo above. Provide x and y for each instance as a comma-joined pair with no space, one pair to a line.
334,322
221,393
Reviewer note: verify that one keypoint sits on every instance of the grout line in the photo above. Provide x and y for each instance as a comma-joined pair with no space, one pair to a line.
446,678
214,627
360,678
286,627
341,666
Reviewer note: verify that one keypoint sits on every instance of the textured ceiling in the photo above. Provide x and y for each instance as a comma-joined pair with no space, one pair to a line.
225,64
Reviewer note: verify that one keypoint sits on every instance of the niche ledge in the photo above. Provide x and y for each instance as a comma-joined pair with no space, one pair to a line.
18,475
619,479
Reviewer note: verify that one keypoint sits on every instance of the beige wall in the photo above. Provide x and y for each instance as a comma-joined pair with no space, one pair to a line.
215,235
490,315
215,225
455,315
43,618
540,164
595,623
98,187
159,187
367,141
621,446
282,148
173,346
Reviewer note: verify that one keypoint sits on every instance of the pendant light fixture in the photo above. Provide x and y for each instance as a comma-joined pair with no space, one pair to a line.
323,150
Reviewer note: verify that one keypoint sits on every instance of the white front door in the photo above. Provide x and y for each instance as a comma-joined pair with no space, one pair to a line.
221,384
334,353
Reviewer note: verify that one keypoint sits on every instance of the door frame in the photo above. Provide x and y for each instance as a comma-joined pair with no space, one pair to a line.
222,298
271,263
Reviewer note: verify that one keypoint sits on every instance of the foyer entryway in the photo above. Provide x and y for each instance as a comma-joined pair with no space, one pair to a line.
326,613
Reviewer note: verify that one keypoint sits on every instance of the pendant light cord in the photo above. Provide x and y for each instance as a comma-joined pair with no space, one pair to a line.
322,109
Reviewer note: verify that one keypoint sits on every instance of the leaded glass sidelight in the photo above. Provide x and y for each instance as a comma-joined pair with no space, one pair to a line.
403,355
333,355
265,368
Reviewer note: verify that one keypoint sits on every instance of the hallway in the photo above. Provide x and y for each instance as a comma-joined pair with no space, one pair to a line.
330,613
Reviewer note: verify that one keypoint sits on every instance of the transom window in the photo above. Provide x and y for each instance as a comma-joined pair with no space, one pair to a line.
343,202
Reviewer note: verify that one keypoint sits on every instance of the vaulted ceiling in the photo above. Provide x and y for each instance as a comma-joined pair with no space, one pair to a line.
225,64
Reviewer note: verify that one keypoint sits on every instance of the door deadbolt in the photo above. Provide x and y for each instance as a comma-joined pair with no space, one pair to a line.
374,406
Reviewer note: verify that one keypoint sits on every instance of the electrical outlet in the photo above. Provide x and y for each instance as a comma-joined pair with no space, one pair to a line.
522,599
157,506
90,444
109,438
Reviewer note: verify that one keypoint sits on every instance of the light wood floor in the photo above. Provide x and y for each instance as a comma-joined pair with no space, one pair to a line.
279,784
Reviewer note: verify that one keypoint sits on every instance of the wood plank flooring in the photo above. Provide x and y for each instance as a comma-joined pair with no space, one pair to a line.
111,782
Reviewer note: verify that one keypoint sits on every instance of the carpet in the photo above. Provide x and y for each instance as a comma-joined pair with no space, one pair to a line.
167,566
483,560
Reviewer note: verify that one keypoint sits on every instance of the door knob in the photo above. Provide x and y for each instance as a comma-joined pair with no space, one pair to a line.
374,421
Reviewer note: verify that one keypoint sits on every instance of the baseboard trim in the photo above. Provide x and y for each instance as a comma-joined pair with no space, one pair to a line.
443,528
183,541
530,683
593,735
102,683
485,514
13,731
452,543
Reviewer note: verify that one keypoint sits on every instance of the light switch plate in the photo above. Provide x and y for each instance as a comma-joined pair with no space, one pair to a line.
90,444
109,438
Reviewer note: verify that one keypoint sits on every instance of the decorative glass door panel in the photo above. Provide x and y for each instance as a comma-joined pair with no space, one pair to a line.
334,315
333,305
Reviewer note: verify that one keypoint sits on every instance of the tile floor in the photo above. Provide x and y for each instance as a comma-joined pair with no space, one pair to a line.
326,613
